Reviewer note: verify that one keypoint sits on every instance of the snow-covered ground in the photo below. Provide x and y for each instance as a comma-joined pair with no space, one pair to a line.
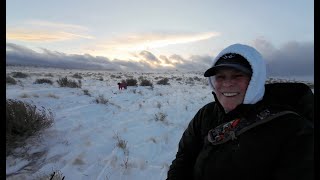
82,142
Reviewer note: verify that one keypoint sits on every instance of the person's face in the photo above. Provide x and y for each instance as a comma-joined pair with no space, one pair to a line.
230,87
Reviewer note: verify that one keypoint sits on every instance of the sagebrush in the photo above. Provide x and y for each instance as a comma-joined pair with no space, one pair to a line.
10,80
145,82
22,121
43,80
163,81
19,75
65,82
131,82
101,99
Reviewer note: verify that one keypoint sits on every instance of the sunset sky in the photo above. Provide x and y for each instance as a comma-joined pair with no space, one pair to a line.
160,30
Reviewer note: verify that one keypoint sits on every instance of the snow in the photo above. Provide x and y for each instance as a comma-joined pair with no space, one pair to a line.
82,142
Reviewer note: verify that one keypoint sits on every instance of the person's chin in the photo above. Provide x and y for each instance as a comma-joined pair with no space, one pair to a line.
228,107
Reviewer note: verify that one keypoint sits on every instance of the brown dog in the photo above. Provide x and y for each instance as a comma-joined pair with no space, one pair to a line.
122,85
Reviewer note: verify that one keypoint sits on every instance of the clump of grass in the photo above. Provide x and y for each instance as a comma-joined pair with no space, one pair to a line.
101,99
19,75
196,78
160,117
121,143
114,76
49,75
151,88
53,96
42,81
153,139
131,82
10,80
22,121
163,81
86,92
24,95
190,81
159,105
65,82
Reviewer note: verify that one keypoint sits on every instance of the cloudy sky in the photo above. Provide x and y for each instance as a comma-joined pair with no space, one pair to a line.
153,34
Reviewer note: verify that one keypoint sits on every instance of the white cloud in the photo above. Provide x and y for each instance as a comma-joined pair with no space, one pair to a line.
43,31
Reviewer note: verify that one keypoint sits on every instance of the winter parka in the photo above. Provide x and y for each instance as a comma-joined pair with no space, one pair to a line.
281,148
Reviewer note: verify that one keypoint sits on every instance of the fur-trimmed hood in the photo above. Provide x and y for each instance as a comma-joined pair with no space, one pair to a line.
256,89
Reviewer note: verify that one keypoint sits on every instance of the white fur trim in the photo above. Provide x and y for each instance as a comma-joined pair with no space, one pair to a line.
255,91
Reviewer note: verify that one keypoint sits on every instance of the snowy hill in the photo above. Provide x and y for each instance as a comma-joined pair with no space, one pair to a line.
134,135
83,141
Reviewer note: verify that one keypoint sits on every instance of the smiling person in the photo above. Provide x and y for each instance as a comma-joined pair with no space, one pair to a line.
252,130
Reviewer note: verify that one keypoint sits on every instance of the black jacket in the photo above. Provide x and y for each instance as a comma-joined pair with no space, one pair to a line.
279,149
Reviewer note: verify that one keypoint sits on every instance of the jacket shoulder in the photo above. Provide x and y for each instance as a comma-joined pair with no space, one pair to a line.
297,97
209,106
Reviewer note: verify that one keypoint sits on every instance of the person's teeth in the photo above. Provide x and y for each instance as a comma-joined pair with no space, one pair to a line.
229,94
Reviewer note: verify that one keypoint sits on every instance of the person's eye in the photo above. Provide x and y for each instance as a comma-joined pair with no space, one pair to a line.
239,76
219,76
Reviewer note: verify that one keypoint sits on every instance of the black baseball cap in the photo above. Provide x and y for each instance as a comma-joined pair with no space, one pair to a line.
231,60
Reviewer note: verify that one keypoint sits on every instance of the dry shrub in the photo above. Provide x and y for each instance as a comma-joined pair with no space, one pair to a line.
10,80
49,75
42,81
24,95
114,76
77,75
53,96
101,100
163,81
22,121
160,117
196,78
19,75
121,143
65,82
131,82
145,82
86,92
159,105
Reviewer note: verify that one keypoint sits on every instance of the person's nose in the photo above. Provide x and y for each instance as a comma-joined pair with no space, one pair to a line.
227,82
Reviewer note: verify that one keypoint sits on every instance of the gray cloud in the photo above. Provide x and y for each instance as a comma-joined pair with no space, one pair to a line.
176,59
165,59
195,63
132,66
148,56
293,58
20,55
